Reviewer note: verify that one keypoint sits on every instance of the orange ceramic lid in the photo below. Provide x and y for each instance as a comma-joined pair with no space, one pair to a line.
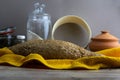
105,35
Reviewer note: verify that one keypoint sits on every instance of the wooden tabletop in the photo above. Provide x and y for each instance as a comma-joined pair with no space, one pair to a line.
14,73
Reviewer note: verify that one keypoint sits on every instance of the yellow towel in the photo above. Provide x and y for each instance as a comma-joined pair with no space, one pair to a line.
111,60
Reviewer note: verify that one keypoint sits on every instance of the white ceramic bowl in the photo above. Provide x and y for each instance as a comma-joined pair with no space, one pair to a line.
73,29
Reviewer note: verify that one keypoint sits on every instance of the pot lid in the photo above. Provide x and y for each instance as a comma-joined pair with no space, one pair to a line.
105,35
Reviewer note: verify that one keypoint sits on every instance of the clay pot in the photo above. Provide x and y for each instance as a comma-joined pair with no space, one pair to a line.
103,41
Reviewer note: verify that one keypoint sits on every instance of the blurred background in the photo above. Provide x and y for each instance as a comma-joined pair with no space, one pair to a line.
99,14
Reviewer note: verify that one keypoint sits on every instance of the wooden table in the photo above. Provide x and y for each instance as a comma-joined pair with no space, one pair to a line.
14,73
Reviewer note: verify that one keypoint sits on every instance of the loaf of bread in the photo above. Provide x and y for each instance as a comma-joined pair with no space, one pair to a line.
52,49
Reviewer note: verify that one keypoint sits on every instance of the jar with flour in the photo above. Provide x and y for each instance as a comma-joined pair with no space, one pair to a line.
39,23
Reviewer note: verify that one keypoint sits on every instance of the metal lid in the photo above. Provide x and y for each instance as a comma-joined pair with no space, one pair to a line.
20,36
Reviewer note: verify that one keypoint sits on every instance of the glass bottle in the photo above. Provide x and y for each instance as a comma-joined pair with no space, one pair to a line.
39,23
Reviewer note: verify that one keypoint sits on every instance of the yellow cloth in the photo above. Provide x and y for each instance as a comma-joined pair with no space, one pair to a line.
94,62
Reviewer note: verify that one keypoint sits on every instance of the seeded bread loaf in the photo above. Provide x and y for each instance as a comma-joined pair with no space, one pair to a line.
52,49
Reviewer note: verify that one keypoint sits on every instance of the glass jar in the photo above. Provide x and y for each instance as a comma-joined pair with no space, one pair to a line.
19,39
39,23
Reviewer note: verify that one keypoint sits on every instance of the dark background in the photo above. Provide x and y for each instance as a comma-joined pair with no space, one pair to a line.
99,14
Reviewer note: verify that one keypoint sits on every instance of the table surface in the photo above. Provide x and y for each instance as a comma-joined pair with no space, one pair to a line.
16,73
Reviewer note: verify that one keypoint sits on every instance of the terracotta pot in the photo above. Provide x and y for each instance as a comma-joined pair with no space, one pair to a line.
103,41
